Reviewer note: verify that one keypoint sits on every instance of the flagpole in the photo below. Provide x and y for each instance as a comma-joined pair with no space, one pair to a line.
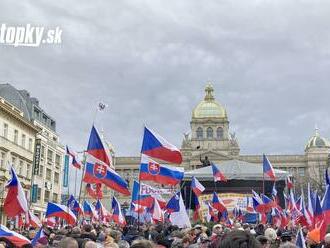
75,183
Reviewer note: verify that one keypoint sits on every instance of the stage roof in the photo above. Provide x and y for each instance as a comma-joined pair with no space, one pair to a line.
235,169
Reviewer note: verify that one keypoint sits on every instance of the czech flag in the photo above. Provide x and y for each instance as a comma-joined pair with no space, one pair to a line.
15,202
173,205
97,148
117,214
34,221
60,211
89,210
310,204
318,213
217,175
14,237
156,146
268,168
300,240
99,173
74,162
326,208
40,237
141,200
211,215
197,207
197,187
218,204
153,171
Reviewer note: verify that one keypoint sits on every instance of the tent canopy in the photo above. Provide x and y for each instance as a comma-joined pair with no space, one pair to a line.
235,169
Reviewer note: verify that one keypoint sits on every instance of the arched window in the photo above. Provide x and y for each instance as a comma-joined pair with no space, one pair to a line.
209,133
219,133
199,133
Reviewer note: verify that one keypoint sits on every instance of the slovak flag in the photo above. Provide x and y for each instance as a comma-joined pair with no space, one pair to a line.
156,146
97,149
163,174
15,202
74,205
218,204
117,214
197,187
94,193
217,175
268,168
289,183
60,211
17,239
100,173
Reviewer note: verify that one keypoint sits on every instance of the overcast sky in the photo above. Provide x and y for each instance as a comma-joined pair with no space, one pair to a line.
269,62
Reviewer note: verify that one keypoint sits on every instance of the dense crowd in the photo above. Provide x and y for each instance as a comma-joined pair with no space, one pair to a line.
169,236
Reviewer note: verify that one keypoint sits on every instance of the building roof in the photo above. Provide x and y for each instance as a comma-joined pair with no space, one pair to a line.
317,141
235,169
209,107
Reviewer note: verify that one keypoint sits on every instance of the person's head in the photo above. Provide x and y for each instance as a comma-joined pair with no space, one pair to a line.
68,242
239,239
217,229
32,233
262,240
116,235
89,244
76,230
327,239
123,244
87,228
141,244
270,234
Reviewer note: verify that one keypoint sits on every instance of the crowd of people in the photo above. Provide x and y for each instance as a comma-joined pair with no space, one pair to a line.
162,235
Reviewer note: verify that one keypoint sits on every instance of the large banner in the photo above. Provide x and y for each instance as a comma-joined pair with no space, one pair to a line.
230,199
146,189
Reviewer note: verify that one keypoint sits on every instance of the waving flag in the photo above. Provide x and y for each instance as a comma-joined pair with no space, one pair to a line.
289,183
34,221
327,178
217,203
97,149
40,237
318,213
156,146
95,193
197,187
14,237
306,220
300,240
173,204
15,202
117,215
268,168
74,205
211,215
141,200
75,163
197,207
326,212
153,171
89,210
99,173
310,204
179,216
274,191
157,213
217,175
249,205
60,211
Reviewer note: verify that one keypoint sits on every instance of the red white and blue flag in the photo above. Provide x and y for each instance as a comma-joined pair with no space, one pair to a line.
318,213
268,168
60,211
310,204
163,174
97,149
17,239
197,207
75,163
217,174
156,146
15,202
157,212
300,240
196,186
40,237
34,221
89,210
117,214
289,183
173,204
94,191
100,173
141,200
218,204
74,205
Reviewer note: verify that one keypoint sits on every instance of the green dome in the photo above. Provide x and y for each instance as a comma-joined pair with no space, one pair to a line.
209,107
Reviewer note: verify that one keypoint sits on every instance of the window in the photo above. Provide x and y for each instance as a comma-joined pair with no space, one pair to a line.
16,136
56,177
20,167
48,174
23,140
46,198
2,159
55,197
5,130
219,133
199,133
54,138
39,194
57,160
30,144
28,170
42,152
209,133
301,172
41,171
49,156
